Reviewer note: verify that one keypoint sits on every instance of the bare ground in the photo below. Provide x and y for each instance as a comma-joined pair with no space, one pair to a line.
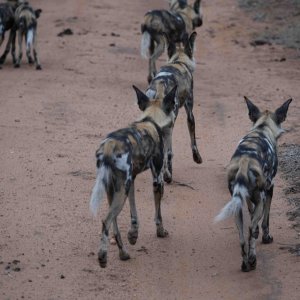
52,121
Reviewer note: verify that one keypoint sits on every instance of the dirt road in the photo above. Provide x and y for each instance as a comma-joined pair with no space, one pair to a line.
52,121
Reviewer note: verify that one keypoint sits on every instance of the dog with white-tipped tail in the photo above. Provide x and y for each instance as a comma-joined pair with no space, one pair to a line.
250,178
121,156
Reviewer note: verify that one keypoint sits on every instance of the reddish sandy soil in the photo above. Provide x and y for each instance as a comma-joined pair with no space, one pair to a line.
52,121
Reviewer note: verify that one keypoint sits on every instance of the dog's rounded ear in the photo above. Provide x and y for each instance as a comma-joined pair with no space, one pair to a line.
197,6
182,3
37,13
281,112
169,101
192,39
254,112
142,99
189,44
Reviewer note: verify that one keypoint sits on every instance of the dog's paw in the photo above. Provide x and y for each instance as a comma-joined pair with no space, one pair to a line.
161,232
252,262
38,67
102,258
167,178
267,239
132,236
197,157
245,267
124,255
17,65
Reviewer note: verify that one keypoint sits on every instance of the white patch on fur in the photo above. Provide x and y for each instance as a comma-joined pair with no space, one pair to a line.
145,44
29,38
240,193
150,93
163,74
98,190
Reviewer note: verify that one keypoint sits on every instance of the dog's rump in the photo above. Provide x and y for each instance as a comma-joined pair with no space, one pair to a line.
132,146
163,21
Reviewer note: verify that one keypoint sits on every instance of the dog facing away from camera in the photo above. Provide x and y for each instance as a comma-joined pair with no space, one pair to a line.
250,178
7,22
26,24
121,157
177,72
182,18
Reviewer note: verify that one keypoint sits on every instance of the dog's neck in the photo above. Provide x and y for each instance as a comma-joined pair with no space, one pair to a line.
274,131
189,65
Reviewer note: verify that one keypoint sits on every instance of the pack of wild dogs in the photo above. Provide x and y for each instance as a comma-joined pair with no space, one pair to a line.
147,142
20,19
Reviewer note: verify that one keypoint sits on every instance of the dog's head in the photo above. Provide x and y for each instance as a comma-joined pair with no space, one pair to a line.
184,51
193,12
267,118
161,111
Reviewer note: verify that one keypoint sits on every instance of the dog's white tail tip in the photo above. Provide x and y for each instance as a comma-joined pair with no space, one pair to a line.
145,44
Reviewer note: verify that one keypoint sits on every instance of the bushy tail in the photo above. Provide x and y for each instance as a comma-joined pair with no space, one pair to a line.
29,40
232,208
145,44
103,177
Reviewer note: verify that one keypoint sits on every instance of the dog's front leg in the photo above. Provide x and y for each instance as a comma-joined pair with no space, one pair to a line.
188,105
267,238
133,231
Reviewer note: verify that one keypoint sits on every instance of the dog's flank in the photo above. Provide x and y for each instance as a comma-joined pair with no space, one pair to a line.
7,22
121,157
181,19
177,72
250,178
26,23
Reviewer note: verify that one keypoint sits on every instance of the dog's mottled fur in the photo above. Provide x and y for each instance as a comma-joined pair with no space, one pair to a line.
250,178
177,72
7,22
26,24
121,157
182,18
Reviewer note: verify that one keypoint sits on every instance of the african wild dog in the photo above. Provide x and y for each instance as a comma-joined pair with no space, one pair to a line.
121,157
7,22
26,24
177,72
174,23
250,178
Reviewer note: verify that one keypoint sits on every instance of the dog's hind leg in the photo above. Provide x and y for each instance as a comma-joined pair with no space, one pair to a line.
244,250
158,191
7,48
168,156
267,238
28,46
158,50
123,254
20,38
116,205
257,215
35,56
188,105
133,231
